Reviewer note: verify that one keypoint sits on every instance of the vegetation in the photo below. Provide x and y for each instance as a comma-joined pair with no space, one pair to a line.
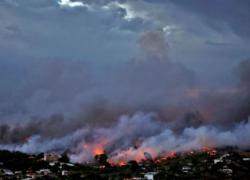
199,165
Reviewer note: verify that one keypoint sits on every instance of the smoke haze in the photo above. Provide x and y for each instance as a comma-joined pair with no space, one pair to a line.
160,99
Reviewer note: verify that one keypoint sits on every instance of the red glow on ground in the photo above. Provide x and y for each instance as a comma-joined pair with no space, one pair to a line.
210,151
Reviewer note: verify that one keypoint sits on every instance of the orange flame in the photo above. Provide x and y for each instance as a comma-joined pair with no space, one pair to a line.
94,149
209,151
98,150
123,156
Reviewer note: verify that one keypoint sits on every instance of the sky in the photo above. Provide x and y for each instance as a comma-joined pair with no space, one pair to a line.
207,36
53,50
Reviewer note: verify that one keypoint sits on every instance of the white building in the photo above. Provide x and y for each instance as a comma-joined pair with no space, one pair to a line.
44,171
186,169
246,159
227,171
222,158
8,172
150,175
217,161
51,156
65,173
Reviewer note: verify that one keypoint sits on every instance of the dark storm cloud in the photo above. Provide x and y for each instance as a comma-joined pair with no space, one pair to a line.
72,94
38,22
222,14
33,31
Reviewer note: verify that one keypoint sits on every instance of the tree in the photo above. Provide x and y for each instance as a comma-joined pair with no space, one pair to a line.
102,159
133,165
64,158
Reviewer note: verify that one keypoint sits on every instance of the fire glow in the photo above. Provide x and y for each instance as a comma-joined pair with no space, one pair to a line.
95,149
147,154
157,140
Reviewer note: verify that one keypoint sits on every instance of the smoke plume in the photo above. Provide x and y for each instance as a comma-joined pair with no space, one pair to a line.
150,104
133,136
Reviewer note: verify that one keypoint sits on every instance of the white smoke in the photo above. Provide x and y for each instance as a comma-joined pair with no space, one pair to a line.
36,144
190,139
134,135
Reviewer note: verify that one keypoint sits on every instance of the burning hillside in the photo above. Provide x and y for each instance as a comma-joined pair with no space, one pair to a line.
137,137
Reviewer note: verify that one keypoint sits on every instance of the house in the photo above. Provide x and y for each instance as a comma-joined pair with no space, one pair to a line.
227,171
51,157
18,174
70,164
222,158
44,171
65,173
217,161
151,176
8,172
186,169
52,163
246,159
31,175
66,164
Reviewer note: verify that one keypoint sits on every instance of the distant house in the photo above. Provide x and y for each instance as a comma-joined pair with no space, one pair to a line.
70,164
8,172
217,161
222,158
51,157
186,169
65,164
227,171
65,173
225,156
52,163
44,171
18,174
32,176
246,159
152,176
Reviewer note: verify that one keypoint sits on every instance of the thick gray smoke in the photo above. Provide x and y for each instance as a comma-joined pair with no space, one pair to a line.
58,105
133,135
243,109
69,94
